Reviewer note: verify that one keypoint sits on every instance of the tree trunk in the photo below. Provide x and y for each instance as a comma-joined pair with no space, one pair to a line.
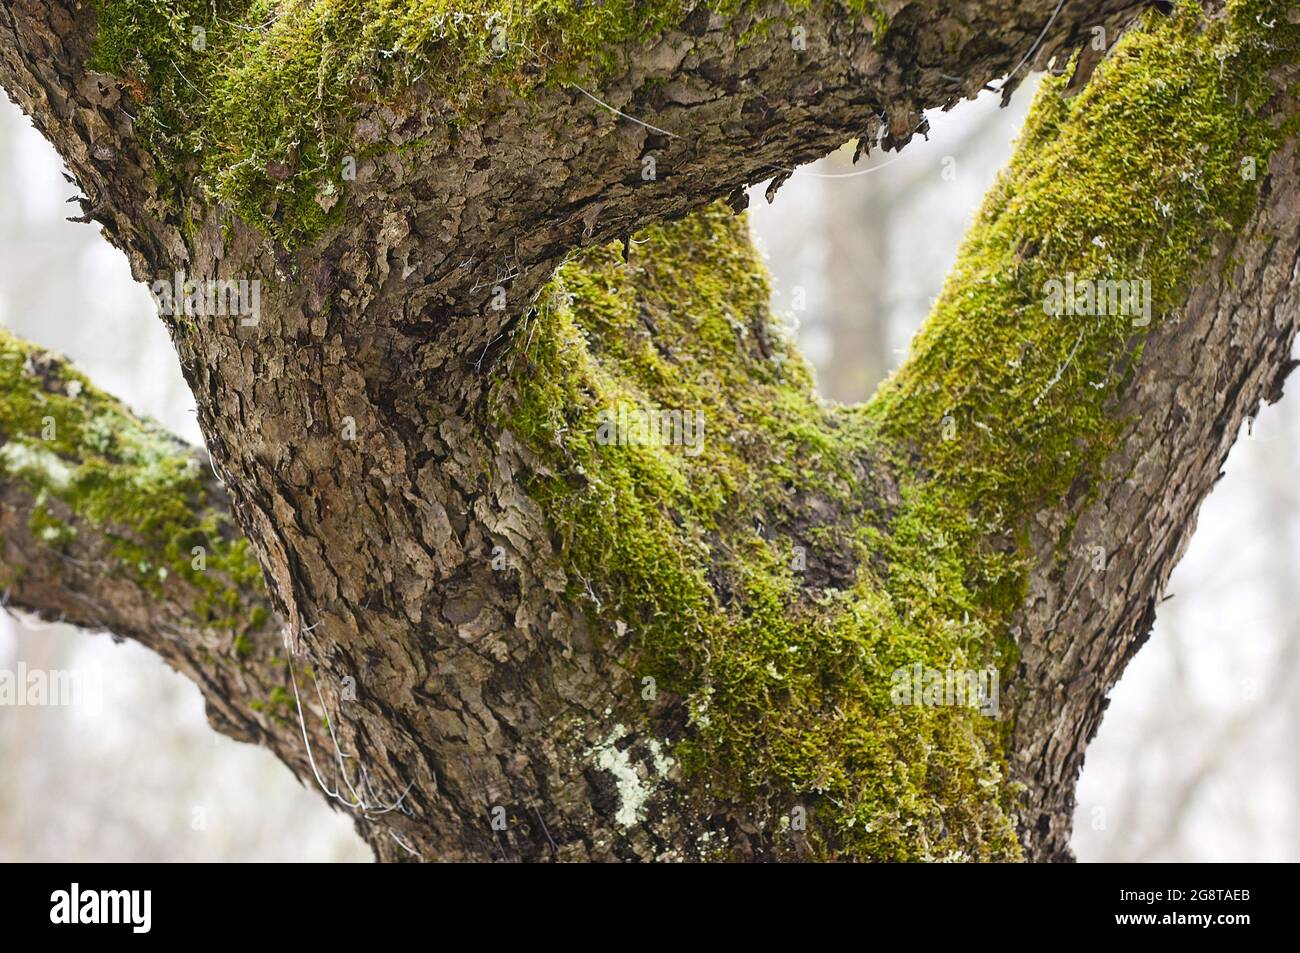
542,625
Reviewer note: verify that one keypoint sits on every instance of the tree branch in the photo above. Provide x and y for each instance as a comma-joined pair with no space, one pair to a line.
1092,602
512,142
1096,429
708,106
109,524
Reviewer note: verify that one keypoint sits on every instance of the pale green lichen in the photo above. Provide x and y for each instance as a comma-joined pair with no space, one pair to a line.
35,464
47,527
633,791
788,690
68,442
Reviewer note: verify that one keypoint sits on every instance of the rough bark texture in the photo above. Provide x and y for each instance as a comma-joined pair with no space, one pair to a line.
368,428
1205,372
84,544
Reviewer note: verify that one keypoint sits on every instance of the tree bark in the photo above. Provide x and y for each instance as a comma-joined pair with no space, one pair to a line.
537,646
1209,370
114,526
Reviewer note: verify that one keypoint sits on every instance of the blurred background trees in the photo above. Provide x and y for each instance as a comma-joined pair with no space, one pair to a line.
1193,762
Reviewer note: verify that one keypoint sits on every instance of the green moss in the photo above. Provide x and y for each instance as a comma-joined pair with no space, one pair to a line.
787,688
122,475
279,706
1132,180
999,411
47,527
262,99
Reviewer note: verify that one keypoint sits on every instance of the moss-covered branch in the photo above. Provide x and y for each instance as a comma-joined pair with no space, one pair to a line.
1017,413
750,571
268,92
285,109
999,411
111,524
1131,182
89,462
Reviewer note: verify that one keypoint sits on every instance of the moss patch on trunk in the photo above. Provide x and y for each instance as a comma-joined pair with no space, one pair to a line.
1000,409
786,685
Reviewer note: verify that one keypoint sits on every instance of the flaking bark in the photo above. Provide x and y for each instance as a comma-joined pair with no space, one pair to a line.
358,426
